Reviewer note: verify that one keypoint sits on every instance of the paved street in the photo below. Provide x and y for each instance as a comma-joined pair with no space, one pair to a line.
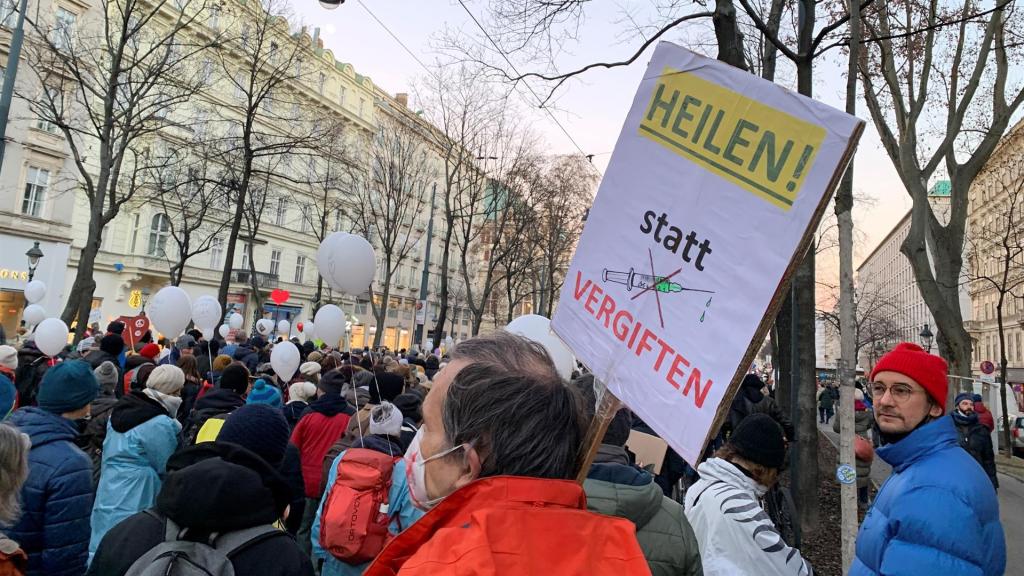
1011,505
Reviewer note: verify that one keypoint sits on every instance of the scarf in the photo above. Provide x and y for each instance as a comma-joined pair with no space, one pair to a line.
962,419
170,403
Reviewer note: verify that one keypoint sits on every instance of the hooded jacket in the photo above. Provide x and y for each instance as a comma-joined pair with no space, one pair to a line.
750,400
216,402
32,364
400,508
56,498
514,526
247,355
140,438
936,514
664,533
212,487
735,536
323,424
984,416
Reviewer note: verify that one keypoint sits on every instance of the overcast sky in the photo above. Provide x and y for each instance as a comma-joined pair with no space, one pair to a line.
591,108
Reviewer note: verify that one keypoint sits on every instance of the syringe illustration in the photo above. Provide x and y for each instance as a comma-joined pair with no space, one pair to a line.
646,281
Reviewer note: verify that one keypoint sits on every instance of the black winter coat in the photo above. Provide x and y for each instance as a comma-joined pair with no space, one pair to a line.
212,487
32,364
975,439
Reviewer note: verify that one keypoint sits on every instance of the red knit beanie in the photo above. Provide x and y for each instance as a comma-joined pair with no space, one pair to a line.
926,369
150,351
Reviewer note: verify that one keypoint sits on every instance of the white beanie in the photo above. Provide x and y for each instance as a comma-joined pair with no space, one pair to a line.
858,395
303,391
386,418
9,357
309,368
166,379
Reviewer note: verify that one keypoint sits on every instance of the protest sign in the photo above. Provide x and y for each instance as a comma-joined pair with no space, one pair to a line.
135,327
711,197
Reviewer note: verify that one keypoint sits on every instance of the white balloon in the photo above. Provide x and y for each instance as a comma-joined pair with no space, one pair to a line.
264,327
448,341
560,354
206,312
35,291
51,336
347,262
33,314
224,330
284,328
330,324
170,310
309,329
284,359
235,321
207,334
532,326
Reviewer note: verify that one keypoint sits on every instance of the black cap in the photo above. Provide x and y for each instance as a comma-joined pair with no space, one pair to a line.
759,439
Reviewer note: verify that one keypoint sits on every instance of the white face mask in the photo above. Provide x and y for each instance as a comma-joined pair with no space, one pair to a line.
415,472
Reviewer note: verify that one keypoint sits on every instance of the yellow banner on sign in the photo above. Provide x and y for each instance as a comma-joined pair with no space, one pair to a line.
759,148
135,299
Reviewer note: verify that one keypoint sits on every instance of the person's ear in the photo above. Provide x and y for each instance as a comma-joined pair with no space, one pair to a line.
936,410
471,468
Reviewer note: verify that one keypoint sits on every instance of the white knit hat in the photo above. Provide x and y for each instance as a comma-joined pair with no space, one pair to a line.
9,357
303,391
309,368
166,379
386,418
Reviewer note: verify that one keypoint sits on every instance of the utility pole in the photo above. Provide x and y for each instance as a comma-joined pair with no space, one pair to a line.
425,279
10,73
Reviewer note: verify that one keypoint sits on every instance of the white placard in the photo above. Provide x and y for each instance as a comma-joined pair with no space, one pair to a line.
715,179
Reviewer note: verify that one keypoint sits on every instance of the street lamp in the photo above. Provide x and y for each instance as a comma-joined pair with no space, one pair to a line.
145,297
926,338
34,254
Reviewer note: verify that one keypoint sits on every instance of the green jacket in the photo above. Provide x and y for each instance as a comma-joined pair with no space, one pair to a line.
664,533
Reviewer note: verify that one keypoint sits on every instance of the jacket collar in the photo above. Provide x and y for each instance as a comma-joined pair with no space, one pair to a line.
932,437
502,492
719,470
611,454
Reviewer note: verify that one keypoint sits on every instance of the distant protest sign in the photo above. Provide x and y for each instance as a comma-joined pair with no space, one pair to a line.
716,184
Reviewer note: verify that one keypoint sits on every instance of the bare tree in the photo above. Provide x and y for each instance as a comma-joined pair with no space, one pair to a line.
107,84
388,201
877,319
270,125
995,252
190,200
937,83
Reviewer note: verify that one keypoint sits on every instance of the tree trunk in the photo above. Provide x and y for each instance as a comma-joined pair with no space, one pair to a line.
727,35
236,227
1004,426
848,315
79,302
442,314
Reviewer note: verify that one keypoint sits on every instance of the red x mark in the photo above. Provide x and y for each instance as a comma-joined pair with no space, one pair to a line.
657,297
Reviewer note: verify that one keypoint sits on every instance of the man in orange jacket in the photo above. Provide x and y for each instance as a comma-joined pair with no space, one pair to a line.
493,463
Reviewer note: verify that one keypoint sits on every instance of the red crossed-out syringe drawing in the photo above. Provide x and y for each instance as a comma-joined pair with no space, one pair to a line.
652,283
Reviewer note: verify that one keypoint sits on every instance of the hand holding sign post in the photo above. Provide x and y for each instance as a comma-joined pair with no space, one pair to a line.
716,184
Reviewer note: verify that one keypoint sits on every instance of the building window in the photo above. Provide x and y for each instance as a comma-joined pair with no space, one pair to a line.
298,68
282,211
36,186
51,100
362,106
216,253
214,21
240,86
64,28
307,217
275,262
206,73
321,82
7,13
159,230
300,270
341,95
135,232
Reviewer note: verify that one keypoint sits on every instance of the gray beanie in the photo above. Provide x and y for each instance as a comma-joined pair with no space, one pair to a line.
106,375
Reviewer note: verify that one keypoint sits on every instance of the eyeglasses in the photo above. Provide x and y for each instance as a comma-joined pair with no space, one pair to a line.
900,393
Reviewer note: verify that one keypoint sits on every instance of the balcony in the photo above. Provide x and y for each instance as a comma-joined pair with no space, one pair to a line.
264,281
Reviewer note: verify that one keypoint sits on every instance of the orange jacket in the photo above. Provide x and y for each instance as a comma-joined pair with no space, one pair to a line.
511,526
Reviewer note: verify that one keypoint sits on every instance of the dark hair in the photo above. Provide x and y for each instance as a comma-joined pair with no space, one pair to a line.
235,377
511,404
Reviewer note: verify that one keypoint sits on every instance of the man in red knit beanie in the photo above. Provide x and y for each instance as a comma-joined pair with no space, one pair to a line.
937,513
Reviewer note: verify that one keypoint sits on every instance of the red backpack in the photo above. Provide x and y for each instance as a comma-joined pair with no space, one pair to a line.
355,518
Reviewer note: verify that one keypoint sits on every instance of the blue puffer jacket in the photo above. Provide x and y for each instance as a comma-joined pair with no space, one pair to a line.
57,497
936,514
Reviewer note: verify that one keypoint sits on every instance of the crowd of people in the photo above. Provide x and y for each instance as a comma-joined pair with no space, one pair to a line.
197,458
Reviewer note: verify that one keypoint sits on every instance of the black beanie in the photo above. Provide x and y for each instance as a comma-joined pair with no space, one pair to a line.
235,377
112,344
259,428
759,439
753,381
387,386
411,406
